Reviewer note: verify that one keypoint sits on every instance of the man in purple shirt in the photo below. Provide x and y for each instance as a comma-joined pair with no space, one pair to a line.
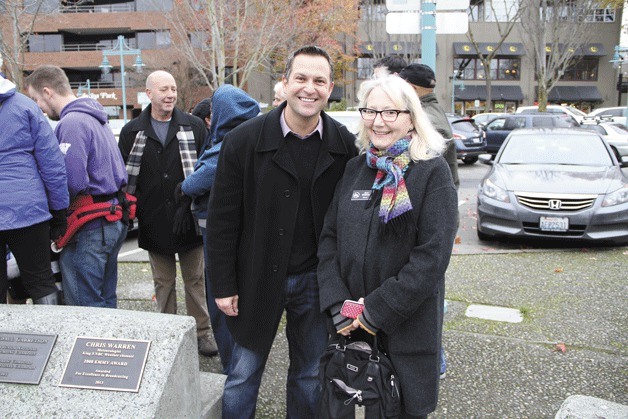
94,167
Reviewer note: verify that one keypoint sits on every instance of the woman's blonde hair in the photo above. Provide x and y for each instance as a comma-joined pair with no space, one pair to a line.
426,142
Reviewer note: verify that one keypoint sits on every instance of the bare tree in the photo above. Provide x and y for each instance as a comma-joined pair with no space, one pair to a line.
17,21
506,16
553,32
227,40
330,24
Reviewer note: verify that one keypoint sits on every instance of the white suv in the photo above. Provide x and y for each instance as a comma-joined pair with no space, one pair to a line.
616,114
577,114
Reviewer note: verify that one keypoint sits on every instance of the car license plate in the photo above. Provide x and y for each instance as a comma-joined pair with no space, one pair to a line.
554,223
477,140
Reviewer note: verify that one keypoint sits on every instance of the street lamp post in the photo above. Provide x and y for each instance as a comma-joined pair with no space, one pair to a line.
80,92
121,49
618,61
455,82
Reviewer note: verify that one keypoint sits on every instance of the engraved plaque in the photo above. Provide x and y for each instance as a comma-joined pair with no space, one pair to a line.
23,356
106,364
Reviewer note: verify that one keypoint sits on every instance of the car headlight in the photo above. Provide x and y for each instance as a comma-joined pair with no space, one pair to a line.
620,196
493,191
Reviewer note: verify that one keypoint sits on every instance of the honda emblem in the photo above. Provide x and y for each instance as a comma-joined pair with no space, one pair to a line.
555,204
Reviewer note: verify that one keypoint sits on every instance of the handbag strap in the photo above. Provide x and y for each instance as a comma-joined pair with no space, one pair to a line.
374,356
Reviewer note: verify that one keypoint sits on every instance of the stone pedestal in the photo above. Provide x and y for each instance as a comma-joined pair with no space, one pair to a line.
587,407
171,386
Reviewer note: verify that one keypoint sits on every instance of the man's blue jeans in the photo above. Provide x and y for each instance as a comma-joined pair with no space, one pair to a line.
221,332
89,265
307,339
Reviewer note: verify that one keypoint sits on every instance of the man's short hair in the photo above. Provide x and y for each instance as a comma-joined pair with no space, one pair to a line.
393,62
309,50
203,109
49,76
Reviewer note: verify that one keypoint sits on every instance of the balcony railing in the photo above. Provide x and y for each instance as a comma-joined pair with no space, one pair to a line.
102,8
106,84
95,47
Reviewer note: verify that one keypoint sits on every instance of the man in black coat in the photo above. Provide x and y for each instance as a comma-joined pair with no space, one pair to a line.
276,177
159,148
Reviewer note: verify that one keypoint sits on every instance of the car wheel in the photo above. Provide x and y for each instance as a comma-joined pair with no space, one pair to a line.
469,160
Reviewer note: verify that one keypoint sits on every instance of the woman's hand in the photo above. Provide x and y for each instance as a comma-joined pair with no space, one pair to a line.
355,325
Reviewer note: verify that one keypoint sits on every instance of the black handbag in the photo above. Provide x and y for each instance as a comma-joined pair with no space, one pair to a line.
358,374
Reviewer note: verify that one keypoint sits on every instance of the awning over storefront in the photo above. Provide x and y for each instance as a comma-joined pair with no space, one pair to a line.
396,47
574,94
467,48
589,50
510,93
337,94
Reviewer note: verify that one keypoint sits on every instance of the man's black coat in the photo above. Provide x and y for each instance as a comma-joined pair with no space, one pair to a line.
252,216
160,172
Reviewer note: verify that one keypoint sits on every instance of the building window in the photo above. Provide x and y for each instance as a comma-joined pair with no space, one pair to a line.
365,67
199,39
476,11
373,10
41,7
153,40
500,69
602,15
585,69
151,5
45,43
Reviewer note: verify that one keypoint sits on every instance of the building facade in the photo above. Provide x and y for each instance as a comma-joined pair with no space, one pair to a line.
592,81
74,34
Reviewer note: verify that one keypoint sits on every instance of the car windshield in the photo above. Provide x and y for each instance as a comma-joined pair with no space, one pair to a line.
597,128
555,148
464,125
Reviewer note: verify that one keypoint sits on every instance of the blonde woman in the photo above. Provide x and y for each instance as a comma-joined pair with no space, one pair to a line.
387,239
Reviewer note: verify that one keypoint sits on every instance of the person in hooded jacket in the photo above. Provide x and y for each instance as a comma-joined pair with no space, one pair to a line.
230,107
94,167
34,194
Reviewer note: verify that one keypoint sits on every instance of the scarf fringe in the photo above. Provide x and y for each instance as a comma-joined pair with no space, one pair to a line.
397,227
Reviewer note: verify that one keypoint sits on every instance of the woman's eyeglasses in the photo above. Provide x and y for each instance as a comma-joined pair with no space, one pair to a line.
388,115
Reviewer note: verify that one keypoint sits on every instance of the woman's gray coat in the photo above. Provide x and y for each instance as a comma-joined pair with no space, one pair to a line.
401,277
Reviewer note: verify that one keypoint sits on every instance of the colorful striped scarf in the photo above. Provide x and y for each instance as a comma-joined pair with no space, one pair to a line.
391,165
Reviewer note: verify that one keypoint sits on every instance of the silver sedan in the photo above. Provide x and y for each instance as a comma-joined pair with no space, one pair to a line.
554,184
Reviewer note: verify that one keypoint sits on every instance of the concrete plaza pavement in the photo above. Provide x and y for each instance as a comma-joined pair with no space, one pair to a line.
572,340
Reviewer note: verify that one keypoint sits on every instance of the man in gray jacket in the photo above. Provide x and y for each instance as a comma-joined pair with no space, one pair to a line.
422,78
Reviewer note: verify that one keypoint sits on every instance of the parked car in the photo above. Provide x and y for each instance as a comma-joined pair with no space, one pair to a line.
554,184
469,139
575,113
498,129
614,133
350,119
616,114
481,119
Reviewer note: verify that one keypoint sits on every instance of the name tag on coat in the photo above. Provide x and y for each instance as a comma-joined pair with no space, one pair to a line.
361,195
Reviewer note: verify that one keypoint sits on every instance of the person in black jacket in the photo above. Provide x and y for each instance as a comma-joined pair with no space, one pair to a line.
387,239
275,179
160,148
